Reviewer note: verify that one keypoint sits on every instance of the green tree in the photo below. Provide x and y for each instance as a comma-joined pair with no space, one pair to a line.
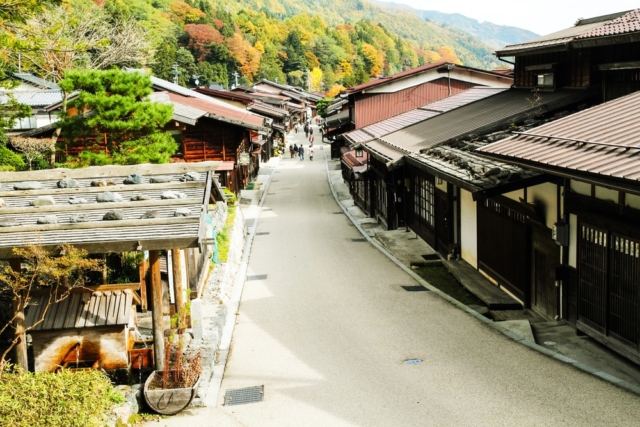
115,111
321,106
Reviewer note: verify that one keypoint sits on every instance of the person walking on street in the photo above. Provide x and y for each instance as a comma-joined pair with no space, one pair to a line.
306,130
301,152
310,130
311,153
291,150
311,139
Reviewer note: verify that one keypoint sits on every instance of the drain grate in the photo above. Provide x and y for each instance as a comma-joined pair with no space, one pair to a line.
431,257
410,362
337,213
267,209
263,233
416,288
359,240
270,194
257,277
240,396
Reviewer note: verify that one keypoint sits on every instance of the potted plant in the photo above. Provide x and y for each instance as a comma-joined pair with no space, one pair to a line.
171,390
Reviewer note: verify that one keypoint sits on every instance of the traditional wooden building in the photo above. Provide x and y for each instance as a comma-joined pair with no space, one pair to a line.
584,265
104,211
386,97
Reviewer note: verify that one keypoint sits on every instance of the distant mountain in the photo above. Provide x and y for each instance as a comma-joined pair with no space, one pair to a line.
496,36
399,19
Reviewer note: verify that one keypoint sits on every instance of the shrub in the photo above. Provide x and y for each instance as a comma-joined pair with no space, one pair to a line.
11,159
230,196
64,399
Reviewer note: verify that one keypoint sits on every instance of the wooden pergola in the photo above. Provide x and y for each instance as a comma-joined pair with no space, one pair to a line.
166,211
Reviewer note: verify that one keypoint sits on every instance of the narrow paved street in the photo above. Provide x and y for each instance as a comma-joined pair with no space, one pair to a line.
327,331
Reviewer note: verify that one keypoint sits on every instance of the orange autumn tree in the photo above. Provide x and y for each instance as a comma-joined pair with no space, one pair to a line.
200,37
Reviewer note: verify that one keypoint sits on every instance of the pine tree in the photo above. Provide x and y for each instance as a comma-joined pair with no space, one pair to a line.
115,111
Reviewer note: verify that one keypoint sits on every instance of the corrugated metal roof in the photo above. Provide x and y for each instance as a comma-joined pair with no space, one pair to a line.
220,111
397,76
482,116
349,158
338,119
266,109
603,140
81,310
387,151
40,98
418,115
37,81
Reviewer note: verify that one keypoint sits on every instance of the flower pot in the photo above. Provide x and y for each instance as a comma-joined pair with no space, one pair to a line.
168,401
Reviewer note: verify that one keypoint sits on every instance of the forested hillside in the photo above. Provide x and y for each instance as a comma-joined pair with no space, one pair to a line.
323,44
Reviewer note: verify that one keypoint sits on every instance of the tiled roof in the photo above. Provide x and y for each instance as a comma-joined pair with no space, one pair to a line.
603,140
602,26
627,23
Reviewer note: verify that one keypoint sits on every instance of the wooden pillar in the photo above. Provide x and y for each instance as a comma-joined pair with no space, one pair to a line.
143,284
157,315
177,279
193,271
20,349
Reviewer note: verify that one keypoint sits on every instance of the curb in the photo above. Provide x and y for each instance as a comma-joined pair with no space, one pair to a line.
632,388
233,305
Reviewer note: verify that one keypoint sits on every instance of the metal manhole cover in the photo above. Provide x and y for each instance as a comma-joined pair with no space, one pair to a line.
240,396
257,277
359,240
416,288
412,361
263,233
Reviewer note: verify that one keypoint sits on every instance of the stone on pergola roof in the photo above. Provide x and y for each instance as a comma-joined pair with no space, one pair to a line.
19,225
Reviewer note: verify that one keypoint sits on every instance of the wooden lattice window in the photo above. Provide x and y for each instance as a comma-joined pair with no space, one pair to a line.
424,199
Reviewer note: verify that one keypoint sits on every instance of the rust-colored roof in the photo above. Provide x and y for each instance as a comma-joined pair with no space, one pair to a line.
384,80
404,120
627,23
350,159
218,109
226,94
603,140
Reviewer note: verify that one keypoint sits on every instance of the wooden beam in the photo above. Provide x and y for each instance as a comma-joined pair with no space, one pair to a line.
177,280
100,206
115,247
119,188
143,284
101,224
20,349
157,314
105,172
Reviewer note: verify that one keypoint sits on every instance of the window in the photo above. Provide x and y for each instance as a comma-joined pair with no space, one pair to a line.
424,199
178,138
545,80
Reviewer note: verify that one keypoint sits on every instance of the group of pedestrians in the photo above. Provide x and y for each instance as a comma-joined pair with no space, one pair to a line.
299,150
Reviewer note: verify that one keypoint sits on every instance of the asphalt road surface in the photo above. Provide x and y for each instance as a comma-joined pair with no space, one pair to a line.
328,331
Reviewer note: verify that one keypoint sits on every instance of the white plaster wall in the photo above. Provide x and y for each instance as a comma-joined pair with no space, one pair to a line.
573,240
606,194
442,186
545,195
632,201
581,187
515,195
468,228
